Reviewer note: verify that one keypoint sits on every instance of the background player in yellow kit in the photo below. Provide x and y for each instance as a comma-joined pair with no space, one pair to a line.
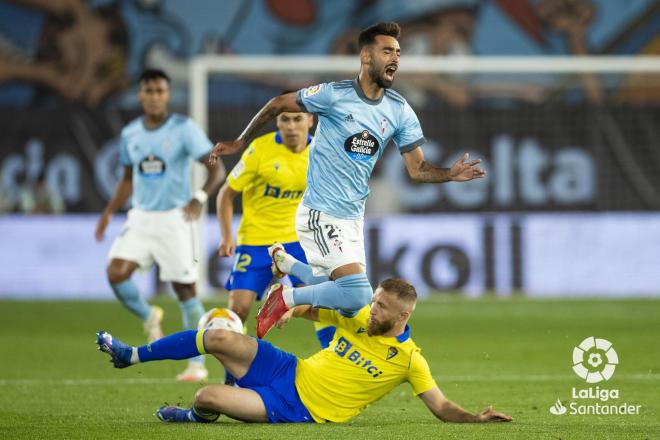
370,355
271,176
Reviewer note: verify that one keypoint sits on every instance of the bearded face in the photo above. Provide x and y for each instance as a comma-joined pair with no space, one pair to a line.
377,328
384,61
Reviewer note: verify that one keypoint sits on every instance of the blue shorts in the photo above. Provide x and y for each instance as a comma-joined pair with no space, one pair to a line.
272,375
251,269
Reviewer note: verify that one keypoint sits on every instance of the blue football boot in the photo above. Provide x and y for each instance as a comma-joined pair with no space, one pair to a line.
118,351
175,414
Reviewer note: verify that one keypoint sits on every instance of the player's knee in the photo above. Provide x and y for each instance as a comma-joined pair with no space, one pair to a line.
206,398
117,274
216,339
241,310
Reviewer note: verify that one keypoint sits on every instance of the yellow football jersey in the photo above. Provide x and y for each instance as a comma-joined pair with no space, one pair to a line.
272,180
356,369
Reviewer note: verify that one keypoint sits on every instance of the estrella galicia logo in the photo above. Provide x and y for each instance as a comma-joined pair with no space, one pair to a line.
152,167
361,146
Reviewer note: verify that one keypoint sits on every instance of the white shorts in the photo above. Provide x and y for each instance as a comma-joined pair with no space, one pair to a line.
161,236
329,242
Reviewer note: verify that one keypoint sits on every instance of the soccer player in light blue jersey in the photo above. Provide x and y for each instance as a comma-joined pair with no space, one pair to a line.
156,151
357,119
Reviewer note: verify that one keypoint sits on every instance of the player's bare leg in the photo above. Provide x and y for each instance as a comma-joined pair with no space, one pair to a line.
238,403
191,311
236,352
119,273
240,302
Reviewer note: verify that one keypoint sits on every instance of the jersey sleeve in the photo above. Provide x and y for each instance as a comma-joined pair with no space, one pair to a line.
197,143
409,134
245,170
419,374
315,99
124,158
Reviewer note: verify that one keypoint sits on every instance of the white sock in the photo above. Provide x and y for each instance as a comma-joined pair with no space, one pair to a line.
287,295
134,356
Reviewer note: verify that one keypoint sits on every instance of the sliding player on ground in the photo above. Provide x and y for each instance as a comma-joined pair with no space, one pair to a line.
370,355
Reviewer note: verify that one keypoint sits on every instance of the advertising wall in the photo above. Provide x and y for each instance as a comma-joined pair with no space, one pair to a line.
546,255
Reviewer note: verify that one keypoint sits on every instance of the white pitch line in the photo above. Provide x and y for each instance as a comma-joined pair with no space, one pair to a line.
441,379
538,378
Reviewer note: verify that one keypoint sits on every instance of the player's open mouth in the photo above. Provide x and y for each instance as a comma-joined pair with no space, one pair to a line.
389,72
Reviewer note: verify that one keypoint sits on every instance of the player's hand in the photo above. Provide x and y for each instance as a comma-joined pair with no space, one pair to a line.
463,170
225,148
227,247
101,225
284,319
490,415
192,210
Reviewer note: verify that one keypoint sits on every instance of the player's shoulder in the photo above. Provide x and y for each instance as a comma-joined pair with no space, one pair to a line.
395,96
133,127
181,121
342,84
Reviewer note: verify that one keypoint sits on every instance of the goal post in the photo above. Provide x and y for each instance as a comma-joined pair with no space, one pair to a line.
204,65
594,114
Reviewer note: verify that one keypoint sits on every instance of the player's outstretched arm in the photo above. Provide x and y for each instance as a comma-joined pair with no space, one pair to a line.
225,211
122,193
303,311
282,103
448,411
421,171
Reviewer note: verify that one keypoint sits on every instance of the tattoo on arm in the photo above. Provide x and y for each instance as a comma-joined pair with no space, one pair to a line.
265,115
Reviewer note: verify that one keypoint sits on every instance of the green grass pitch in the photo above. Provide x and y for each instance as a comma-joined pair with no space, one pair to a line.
514,354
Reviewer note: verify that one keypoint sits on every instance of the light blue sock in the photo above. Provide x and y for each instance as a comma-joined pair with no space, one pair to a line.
191,310
346,294
304,272
128,294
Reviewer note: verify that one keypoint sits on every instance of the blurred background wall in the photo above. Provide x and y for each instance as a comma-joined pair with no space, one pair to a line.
570,206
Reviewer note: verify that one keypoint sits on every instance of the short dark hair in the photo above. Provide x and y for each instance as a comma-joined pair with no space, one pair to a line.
403,289
368,36
150,74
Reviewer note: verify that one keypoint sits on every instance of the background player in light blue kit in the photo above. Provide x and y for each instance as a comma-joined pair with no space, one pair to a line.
156,152
357,119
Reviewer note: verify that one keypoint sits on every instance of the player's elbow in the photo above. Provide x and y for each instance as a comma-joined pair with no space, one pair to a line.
284,103
415,174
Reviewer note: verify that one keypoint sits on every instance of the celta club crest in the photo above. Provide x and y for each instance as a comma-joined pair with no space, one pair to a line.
383,126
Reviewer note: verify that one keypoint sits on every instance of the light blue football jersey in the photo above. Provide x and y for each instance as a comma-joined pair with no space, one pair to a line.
351,135
161,159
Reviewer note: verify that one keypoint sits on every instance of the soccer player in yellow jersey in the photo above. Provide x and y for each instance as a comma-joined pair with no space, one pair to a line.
369,356
271,178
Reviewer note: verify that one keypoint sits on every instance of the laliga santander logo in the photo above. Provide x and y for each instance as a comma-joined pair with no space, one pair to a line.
594,360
